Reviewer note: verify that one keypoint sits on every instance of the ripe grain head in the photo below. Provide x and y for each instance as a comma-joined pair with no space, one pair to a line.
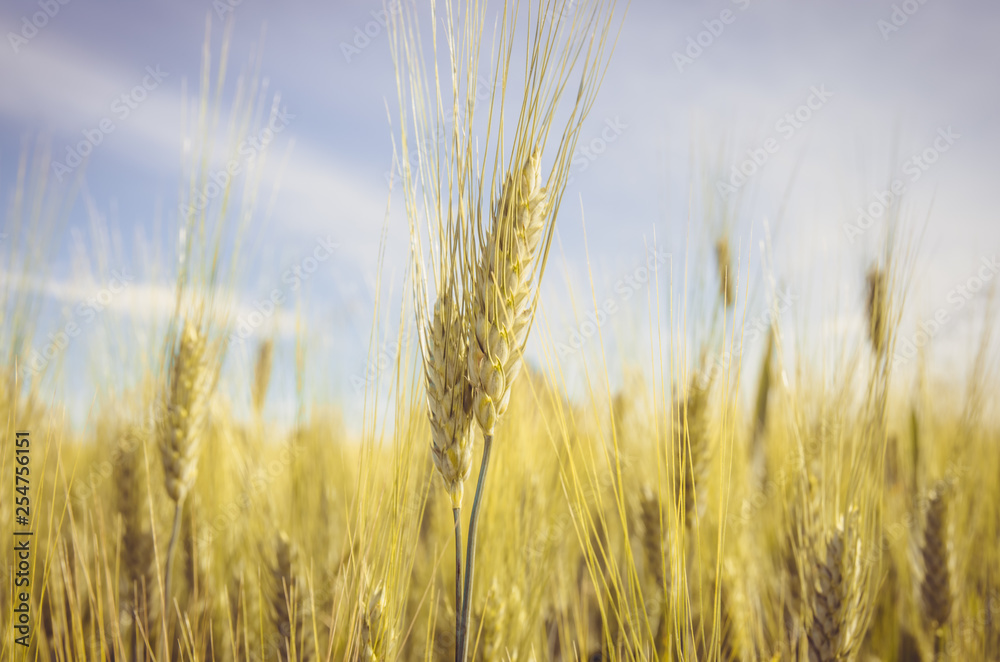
449,396
188,394
502,299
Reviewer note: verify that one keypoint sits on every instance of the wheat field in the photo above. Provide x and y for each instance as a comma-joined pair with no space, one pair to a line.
727,499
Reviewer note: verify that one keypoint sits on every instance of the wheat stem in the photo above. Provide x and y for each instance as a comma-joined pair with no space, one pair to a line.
457,516
470,556
166,575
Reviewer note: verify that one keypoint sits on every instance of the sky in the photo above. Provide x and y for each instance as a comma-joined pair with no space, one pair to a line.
837,102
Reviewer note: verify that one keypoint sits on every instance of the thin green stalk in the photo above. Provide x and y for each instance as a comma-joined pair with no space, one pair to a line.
457,516
166,575
470,556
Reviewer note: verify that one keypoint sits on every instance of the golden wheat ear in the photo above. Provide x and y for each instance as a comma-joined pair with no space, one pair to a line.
449,397
502,296
187,410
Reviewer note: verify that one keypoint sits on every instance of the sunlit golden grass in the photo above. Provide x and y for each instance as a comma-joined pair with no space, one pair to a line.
307,544
727,500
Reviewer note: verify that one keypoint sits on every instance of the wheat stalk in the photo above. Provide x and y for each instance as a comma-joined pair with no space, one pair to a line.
499,277
444,347
188,394
723,628
499,318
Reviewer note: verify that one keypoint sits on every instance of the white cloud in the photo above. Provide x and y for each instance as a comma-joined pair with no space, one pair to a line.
66,90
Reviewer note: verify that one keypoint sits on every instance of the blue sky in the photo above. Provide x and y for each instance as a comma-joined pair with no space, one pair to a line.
693,88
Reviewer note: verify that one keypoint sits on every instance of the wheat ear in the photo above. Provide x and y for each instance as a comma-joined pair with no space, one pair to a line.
800,545
262,374
876,300
449,396
723,261
758,457
502,302
935,589
828,601
187,406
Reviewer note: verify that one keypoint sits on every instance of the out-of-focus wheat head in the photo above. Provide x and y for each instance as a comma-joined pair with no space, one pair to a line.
799,547
188,395
650,512
841,600
285,591
935,589
131,495
724,264
693,441
877,302
262,374
828,601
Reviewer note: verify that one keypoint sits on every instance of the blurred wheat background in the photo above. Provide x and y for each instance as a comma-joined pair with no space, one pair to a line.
354,378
